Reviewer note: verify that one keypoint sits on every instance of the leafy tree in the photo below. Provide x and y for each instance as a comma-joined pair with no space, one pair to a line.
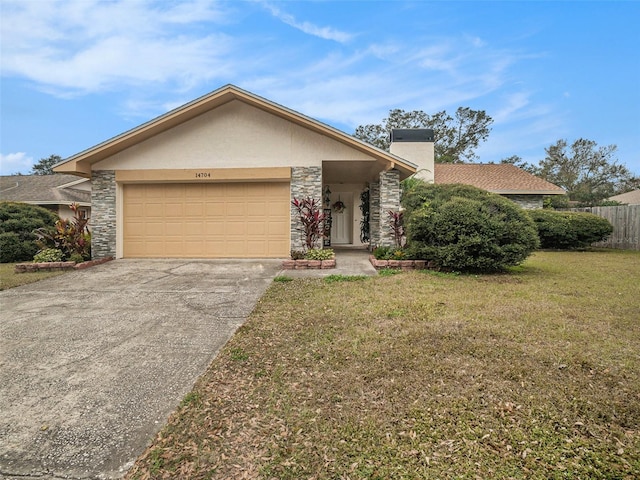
587,172
455,138
45,165
517,161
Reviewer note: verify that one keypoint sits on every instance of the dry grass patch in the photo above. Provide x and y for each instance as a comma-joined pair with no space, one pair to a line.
534,374
10,279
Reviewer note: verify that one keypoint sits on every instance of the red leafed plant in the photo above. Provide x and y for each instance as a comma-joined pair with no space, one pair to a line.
71,236
396,222
312,220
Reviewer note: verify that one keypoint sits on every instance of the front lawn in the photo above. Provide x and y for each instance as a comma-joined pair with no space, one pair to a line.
10,279
535,374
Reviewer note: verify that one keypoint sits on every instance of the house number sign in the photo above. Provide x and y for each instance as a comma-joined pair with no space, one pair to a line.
203,175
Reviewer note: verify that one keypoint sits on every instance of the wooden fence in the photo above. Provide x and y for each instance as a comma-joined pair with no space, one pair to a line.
626,225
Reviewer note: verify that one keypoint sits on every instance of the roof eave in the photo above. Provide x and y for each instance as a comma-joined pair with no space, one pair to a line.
80,164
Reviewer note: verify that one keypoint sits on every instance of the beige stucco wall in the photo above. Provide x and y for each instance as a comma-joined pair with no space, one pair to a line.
420,153
232,135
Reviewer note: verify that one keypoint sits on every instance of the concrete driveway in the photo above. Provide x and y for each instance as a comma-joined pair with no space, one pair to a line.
93,362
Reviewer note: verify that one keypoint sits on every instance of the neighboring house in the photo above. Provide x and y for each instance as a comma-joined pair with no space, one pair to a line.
525,189
54,192
629,198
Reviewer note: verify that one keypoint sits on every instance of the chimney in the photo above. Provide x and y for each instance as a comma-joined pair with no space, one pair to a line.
416,146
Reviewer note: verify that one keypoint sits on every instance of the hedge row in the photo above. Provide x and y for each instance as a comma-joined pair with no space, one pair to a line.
569,230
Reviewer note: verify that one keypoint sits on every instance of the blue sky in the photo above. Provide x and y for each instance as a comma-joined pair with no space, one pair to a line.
75,73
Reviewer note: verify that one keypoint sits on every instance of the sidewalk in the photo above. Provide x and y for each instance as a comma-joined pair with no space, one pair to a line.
349,261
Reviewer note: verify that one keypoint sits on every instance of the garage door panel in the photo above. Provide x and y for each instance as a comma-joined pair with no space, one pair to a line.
206,220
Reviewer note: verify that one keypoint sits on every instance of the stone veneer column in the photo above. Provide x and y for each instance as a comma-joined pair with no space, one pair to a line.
305,182
103,214
389,200
374,213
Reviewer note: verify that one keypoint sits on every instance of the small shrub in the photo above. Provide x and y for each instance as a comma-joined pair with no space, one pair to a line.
319,254
76,257
48,255
311,220
382,253
70,235
297,255
569,230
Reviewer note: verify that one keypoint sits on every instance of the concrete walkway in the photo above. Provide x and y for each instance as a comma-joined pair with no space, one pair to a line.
93,362
349,261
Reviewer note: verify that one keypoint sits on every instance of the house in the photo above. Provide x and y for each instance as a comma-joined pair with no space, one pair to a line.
525,189
629,198
215,178
54,192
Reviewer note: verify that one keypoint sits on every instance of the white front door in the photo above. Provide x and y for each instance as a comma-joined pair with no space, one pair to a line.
341,228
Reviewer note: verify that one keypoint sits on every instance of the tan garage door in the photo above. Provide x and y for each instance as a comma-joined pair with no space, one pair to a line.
213,220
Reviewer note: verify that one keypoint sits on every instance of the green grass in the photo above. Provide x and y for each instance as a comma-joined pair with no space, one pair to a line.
533,374
10,279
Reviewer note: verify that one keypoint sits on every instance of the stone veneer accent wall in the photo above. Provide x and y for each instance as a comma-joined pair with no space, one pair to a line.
374,213
103,214
389,200
528,202
305,182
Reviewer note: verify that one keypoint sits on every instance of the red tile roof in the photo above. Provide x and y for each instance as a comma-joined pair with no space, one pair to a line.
497,178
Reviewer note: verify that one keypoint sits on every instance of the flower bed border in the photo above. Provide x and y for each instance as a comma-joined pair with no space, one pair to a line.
402,264
308,264
53,266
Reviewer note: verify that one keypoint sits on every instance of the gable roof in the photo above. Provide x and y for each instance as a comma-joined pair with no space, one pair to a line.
43,190
80,164
630,198
496,178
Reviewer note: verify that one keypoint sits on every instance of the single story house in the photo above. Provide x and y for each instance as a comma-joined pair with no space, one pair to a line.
54,192
507,180
215,179
629,198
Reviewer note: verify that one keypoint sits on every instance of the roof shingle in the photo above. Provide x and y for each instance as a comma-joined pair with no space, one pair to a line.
42,190
496,178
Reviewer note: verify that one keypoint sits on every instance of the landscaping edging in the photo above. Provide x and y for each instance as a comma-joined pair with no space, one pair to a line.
54,266
402,264
308,264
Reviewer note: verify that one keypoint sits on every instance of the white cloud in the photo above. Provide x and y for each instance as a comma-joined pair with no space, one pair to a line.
18,162
327,33
75,47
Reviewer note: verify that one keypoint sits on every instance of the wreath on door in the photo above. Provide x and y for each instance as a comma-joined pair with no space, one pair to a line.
339,206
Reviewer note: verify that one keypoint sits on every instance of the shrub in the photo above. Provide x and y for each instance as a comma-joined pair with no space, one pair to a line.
569,230
48,255
464,228
297,254
71,236
17,223
312,220
76,258
389,253
319,254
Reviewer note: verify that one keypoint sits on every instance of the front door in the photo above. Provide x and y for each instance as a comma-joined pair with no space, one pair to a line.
341,221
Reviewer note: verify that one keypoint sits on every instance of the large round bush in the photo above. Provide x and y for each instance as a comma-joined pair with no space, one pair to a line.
569,230
17,223
467,229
